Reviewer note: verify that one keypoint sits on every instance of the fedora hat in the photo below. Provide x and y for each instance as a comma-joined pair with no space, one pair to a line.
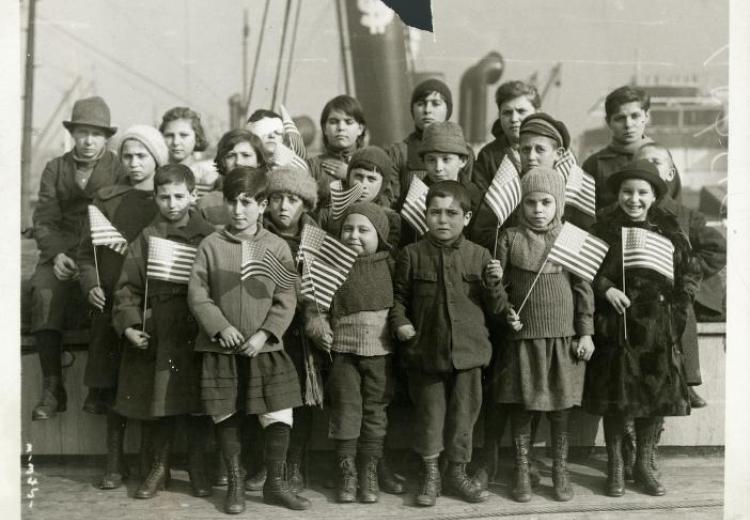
640,169
92,111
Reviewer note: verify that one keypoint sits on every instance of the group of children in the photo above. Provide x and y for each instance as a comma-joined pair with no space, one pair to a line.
464,315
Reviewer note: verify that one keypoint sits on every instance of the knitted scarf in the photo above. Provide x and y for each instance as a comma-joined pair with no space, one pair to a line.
369,286
531,244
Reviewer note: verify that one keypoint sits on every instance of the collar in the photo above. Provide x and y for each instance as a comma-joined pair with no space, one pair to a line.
455,245
196,226
259,234
628,149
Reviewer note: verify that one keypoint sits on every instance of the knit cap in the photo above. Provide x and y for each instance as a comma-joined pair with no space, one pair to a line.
640,169
286,179
369,158
376,215
545,125
446,137
545,180
149,137
433,85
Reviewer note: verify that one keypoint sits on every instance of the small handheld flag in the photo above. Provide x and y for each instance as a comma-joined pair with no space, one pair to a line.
103,233
565,163
320,282
579,252
415,205
316,243
504,194
648,250
169,261
258,262
342,198
580,191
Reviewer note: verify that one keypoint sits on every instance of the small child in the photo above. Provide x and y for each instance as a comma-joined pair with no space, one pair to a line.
636,370
242,323
281,141
441,300
539,368
159,372
360,384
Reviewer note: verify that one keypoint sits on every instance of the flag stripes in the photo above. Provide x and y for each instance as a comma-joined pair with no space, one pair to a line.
579,252
103,233
169,261
504,194
647,250
342,198
565,163
580,191
256,263
317,243
320,282
415,205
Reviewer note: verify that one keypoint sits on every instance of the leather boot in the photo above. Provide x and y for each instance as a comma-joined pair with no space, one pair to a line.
256,481
96,401
628,448
696,401
646,429
221,477
654,452
429,483
562,488
389,482
613,435
346,489
197,434
276,490
458,483
158,475
522,486
294,476
234,502
368,490
116,470
146,453
53,400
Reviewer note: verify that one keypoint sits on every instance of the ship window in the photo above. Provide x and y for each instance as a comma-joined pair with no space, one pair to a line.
700,117
665,117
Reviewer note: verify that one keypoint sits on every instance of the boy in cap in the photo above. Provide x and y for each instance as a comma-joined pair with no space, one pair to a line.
67,187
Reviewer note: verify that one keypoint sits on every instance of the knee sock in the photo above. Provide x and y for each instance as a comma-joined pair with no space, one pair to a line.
228,432
252,444
277,441
346,447
198,427
300,435
49,347
520,421
371,446
558,421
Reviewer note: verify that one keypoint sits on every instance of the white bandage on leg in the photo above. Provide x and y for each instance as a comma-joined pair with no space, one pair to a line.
218,418
282,416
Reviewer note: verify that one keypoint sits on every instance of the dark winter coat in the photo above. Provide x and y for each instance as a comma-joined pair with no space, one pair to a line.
490,157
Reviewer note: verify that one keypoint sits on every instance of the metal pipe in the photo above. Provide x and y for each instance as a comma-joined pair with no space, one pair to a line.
28,106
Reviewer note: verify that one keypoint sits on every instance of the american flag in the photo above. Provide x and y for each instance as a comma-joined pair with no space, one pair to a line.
648,250
580,187
169,261
565,163
342,198
203,189
504,194
103,233
415,205
320,282
579,252
316,243
259,261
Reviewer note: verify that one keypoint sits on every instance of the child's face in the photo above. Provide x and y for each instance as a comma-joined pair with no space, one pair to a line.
180,138
285,209
512,112
242,154
342,130
270,130
539,208
174,201
370,180
244,212
445,219
430,109
628,122
138,162
358,233
659,158
635,197
538,151
442,166
88,140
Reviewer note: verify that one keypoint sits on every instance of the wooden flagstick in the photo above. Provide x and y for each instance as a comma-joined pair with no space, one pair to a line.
145,303
625,312
96,267
306,264
497,232
532,285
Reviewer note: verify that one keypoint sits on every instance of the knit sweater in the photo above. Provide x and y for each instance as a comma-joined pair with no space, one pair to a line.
218,299
363,333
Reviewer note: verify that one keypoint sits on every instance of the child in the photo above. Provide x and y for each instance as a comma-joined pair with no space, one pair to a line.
539,368
360,383
68,185
515,100
638,373
343,125
441,300
245,368
292,195
281,142
129,208
160,373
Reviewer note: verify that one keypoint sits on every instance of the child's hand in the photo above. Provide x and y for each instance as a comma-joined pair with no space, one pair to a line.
284,113
97,298
64,267
406,332
334,168
617,299
324,342
282,155
584,348
137,338
493,272
230,338
254,345
514,320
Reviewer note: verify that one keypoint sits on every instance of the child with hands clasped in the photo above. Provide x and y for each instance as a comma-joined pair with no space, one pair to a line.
441,300
242,322
541,366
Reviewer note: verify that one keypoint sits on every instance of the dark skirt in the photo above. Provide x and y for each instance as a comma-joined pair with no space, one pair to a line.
265,383
103,361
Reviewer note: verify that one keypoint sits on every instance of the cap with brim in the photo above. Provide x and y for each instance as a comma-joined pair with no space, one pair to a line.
93,112
640,169
545,125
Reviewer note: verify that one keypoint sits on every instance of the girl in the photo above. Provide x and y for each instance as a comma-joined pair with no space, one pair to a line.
540,367
636,370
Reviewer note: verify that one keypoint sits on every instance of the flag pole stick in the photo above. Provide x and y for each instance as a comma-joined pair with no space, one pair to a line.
145,303
96,267
532,286
625,312
497,232
306,264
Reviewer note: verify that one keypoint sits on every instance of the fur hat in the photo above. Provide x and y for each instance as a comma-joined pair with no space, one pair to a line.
446,137
292,180
372,157
149,137
374,214
640,169
92,111
545,180
543,124
433,85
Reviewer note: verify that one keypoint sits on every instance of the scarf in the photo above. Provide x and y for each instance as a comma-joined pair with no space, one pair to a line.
369,286
630,148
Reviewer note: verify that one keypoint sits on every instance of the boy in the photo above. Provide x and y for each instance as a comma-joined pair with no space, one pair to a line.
439,313
159,372
282,142
242,322
67,187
